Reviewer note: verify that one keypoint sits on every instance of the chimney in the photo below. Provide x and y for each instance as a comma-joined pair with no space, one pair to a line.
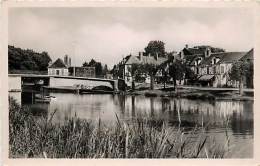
66,60
141,56
186,46
69,62
207,52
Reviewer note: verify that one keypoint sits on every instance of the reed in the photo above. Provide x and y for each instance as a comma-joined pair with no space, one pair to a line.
76,138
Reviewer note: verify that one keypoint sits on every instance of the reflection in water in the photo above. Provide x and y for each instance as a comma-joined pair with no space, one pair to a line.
213,115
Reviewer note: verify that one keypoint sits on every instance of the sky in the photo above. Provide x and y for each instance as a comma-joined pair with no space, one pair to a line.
108,34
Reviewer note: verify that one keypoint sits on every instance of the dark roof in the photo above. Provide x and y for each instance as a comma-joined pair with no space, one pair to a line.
225,57
196,51
58,64
190,58
207,60
192,62
230,57
200,50
145,59
249,55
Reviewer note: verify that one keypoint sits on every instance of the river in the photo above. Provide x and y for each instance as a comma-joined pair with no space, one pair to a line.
212,114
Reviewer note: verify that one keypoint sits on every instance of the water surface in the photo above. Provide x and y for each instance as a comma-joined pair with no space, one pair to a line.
191,113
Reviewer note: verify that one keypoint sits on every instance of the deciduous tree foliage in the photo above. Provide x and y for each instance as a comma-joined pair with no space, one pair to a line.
242,70
177,71
154,47
151,70
21,59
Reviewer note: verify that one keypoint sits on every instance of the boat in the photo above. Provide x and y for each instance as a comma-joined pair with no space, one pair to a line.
88,91
44,99
97,90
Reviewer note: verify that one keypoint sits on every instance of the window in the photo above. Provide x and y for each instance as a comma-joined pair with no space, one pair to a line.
214,70
57,72
222,69
207,70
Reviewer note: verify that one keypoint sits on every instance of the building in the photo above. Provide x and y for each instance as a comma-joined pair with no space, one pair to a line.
140,59
212,65
249,58
58,68
214,70
82,72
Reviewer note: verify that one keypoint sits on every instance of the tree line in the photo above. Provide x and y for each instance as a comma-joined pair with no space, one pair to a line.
27,59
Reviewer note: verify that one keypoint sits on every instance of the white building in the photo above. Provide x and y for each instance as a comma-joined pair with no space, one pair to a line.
58,68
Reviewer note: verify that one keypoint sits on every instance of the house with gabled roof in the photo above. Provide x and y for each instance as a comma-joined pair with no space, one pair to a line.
249,56
140,59
214,70
58,68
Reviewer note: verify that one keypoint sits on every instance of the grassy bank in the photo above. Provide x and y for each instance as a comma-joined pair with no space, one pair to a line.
193,94
76,138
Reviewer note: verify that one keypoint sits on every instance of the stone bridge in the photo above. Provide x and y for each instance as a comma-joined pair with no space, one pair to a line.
18,81
32,84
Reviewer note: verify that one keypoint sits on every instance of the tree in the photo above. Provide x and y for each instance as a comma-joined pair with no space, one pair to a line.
134,70
21,59
155,47
85,64
250,75
240,71
105,69
42,60
92,63
189,74
165,75
176,71
151,70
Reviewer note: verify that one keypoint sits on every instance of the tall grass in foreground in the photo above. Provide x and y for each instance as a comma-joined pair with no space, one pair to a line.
40,138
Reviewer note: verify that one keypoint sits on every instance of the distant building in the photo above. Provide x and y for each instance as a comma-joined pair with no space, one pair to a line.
82,71
249,56
214,70
58,68
128,61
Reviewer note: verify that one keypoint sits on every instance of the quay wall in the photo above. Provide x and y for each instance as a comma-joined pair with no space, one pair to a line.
15,88
14,83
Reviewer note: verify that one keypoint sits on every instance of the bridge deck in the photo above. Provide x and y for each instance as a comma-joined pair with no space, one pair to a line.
55,76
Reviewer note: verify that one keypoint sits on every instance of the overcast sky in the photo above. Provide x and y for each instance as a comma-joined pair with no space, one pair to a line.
108,34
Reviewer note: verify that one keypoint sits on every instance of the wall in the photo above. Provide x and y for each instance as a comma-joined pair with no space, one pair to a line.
56,82
14,88
82,71
62,71
14,83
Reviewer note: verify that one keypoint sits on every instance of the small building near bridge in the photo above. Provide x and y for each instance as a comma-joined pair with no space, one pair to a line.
82,72
58,68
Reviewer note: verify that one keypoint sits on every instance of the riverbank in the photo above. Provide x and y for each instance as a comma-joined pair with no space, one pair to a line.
195,93
38,137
